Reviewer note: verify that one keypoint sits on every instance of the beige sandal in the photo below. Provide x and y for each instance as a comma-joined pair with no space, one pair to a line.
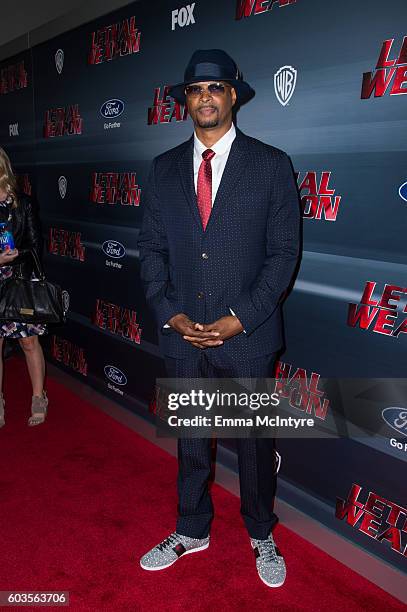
39,408
2,404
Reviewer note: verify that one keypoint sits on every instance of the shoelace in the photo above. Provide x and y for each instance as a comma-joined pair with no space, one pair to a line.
172,539
267,550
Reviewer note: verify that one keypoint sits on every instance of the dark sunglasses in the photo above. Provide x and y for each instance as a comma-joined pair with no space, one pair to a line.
215,89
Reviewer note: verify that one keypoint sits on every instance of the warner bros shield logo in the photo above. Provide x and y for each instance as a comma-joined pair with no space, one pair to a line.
285,80
59,60
62,185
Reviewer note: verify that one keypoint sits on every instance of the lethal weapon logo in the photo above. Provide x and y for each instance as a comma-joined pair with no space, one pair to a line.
390,74
13,78
64,121
165,109
378,518
69,354
113,41
245,8
117,320
66,244
318,201
381,315
301,390
115,188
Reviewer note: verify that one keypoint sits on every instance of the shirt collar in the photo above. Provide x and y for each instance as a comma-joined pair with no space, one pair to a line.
220,147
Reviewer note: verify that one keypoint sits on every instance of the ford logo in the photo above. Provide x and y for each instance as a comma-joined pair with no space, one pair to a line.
396,418
115,375
112,108
403,191
111,248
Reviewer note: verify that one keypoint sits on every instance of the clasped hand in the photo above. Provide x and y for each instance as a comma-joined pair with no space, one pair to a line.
204,335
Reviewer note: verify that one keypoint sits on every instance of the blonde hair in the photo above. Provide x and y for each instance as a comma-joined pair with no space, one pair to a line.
8,181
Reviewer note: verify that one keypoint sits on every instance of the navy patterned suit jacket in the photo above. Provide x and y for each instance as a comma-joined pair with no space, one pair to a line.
245,258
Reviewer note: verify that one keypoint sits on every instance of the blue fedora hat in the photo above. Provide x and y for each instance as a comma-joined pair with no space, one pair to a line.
213,65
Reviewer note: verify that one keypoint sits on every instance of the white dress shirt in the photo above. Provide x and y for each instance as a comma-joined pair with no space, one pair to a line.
218,163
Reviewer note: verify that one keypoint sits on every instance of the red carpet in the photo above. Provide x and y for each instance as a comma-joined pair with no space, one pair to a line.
82,498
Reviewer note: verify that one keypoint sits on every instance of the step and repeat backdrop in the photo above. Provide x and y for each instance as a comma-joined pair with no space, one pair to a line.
83,115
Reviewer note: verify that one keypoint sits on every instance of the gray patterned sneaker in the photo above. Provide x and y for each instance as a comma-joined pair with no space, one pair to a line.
170,550
269,561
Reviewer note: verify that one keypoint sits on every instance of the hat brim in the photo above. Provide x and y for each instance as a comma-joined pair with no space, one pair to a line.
243,90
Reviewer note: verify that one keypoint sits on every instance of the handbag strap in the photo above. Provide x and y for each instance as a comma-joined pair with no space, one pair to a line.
37,267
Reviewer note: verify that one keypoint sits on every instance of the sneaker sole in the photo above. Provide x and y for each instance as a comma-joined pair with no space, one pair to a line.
187,552
275,585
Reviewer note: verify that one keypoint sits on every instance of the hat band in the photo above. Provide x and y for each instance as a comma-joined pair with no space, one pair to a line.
207,68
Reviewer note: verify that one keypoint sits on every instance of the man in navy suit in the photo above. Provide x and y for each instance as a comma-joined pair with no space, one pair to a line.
219,244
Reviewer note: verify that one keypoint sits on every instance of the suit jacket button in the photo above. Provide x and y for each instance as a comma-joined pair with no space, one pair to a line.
205,255
200,294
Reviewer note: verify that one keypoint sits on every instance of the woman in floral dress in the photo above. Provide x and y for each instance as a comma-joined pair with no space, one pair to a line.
19,215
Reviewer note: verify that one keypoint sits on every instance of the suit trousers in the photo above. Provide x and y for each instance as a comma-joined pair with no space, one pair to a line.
256,456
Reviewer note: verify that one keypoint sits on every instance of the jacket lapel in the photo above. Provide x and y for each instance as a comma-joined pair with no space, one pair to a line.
237,160
186,170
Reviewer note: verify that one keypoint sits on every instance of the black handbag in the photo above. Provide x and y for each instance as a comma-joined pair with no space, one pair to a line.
32,300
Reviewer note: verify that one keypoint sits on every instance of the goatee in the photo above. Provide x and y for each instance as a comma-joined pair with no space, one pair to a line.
208,123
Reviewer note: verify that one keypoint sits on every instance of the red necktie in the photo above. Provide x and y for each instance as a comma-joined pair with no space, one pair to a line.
204,187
